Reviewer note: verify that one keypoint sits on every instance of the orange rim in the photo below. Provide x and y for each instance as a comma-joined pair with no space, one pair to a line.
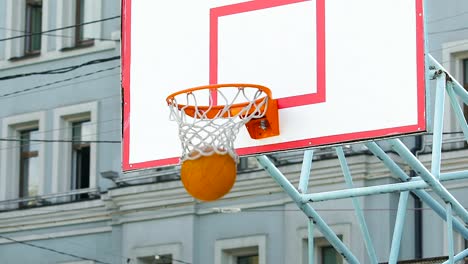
212,111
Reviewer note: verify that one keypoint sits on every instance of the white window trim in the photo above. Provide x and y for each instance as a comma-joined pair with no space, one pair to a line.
453,55
66,17
61,166
15,19
9,163
343,230
174,249
224,245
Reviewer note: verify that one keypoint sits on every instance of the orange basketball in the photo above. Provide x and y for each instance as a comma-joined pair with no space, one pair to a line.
209,177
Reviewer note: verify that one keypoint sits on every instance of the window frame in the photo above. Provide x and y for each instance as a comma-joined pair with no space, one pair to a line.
465,83
28,25
80,40
64,117
227,250
341,230
24,156
76,156
174,249
15,20
10,152
68,15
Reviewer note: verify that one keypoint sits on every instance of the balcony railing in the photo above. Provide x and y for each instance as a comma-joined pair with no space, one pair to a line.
47,199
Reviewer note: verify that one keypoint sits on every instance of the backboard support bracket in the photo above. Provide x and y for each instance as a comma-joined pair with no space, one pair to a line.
267,126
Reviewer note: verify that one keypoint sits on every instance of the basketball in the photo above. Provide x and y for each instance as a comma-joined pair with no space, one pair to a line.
209,178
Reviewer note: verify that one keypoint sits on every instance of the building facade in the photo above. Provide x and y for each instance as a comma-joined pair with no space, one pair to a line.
64,198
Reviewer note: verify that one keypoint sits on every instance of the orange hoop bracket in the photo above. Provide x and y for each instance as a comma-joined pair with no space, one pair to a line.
258,128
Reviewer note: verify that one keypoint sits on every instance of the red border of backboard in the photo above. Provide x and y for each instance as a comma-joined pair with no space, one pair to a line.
291,101
419,127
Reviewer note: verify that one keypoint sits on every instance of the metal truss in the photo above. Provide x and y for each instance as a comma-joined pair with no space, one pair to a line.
453,213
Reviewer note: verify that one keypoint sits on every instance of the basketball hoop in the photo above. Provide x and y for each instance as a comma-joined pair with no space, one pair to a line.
209,119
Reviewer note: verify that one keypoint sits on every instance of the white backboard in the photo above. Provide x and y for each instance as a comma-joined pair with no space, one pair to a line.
342,70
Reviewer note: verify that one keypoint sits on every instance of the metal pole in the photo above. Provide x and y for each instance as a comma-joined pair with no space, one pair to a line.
364,191
438,124
438,188
450,233
459,256
357,206
413,184
457,175
305,171
399,225
307,209
458,88
311,241
457,110
425,197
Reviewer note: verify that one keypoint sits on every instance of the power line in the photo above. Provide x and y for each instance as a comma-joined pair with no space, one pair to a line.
67,128
66,240
24,143
56,35
70,84
62,28
60,141
52,250
61,70
59,81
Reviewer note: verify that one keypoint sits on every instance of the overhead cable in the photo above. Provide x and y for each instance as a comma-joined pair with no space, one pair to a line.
57,35
62,28
60,141
61,70
59,81
52,250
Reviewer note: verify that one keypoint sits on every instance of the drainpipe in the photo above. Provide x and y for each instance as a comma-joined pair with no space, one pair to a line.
418,220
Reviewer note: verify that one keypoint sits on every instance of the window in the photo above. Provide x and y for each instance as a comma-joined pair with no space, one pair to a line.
29,166
330,256
75,13
465,83
251,259
80,157
74,164
466,246
22,162
82,11
23,17
33,26
324,253
157,259
163,259
242,250
158,254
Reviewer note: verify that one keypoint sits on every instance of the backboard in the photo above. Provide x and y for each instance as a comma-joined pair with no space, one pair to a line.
342,70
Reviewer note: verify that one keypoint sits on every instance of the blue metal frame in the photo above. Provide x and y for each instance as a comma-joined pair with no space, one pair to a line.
432,179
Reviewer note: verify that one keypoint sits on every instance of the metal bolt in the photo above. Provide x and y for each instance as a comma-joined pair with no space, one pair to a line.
263,124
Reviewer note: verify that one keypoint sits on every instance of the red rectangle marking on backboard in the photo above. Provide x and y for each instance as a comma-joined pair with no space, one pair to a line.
285,102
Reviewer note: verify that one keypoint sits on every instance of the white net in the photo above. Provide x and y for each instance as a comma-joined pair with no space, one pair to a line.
209,119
